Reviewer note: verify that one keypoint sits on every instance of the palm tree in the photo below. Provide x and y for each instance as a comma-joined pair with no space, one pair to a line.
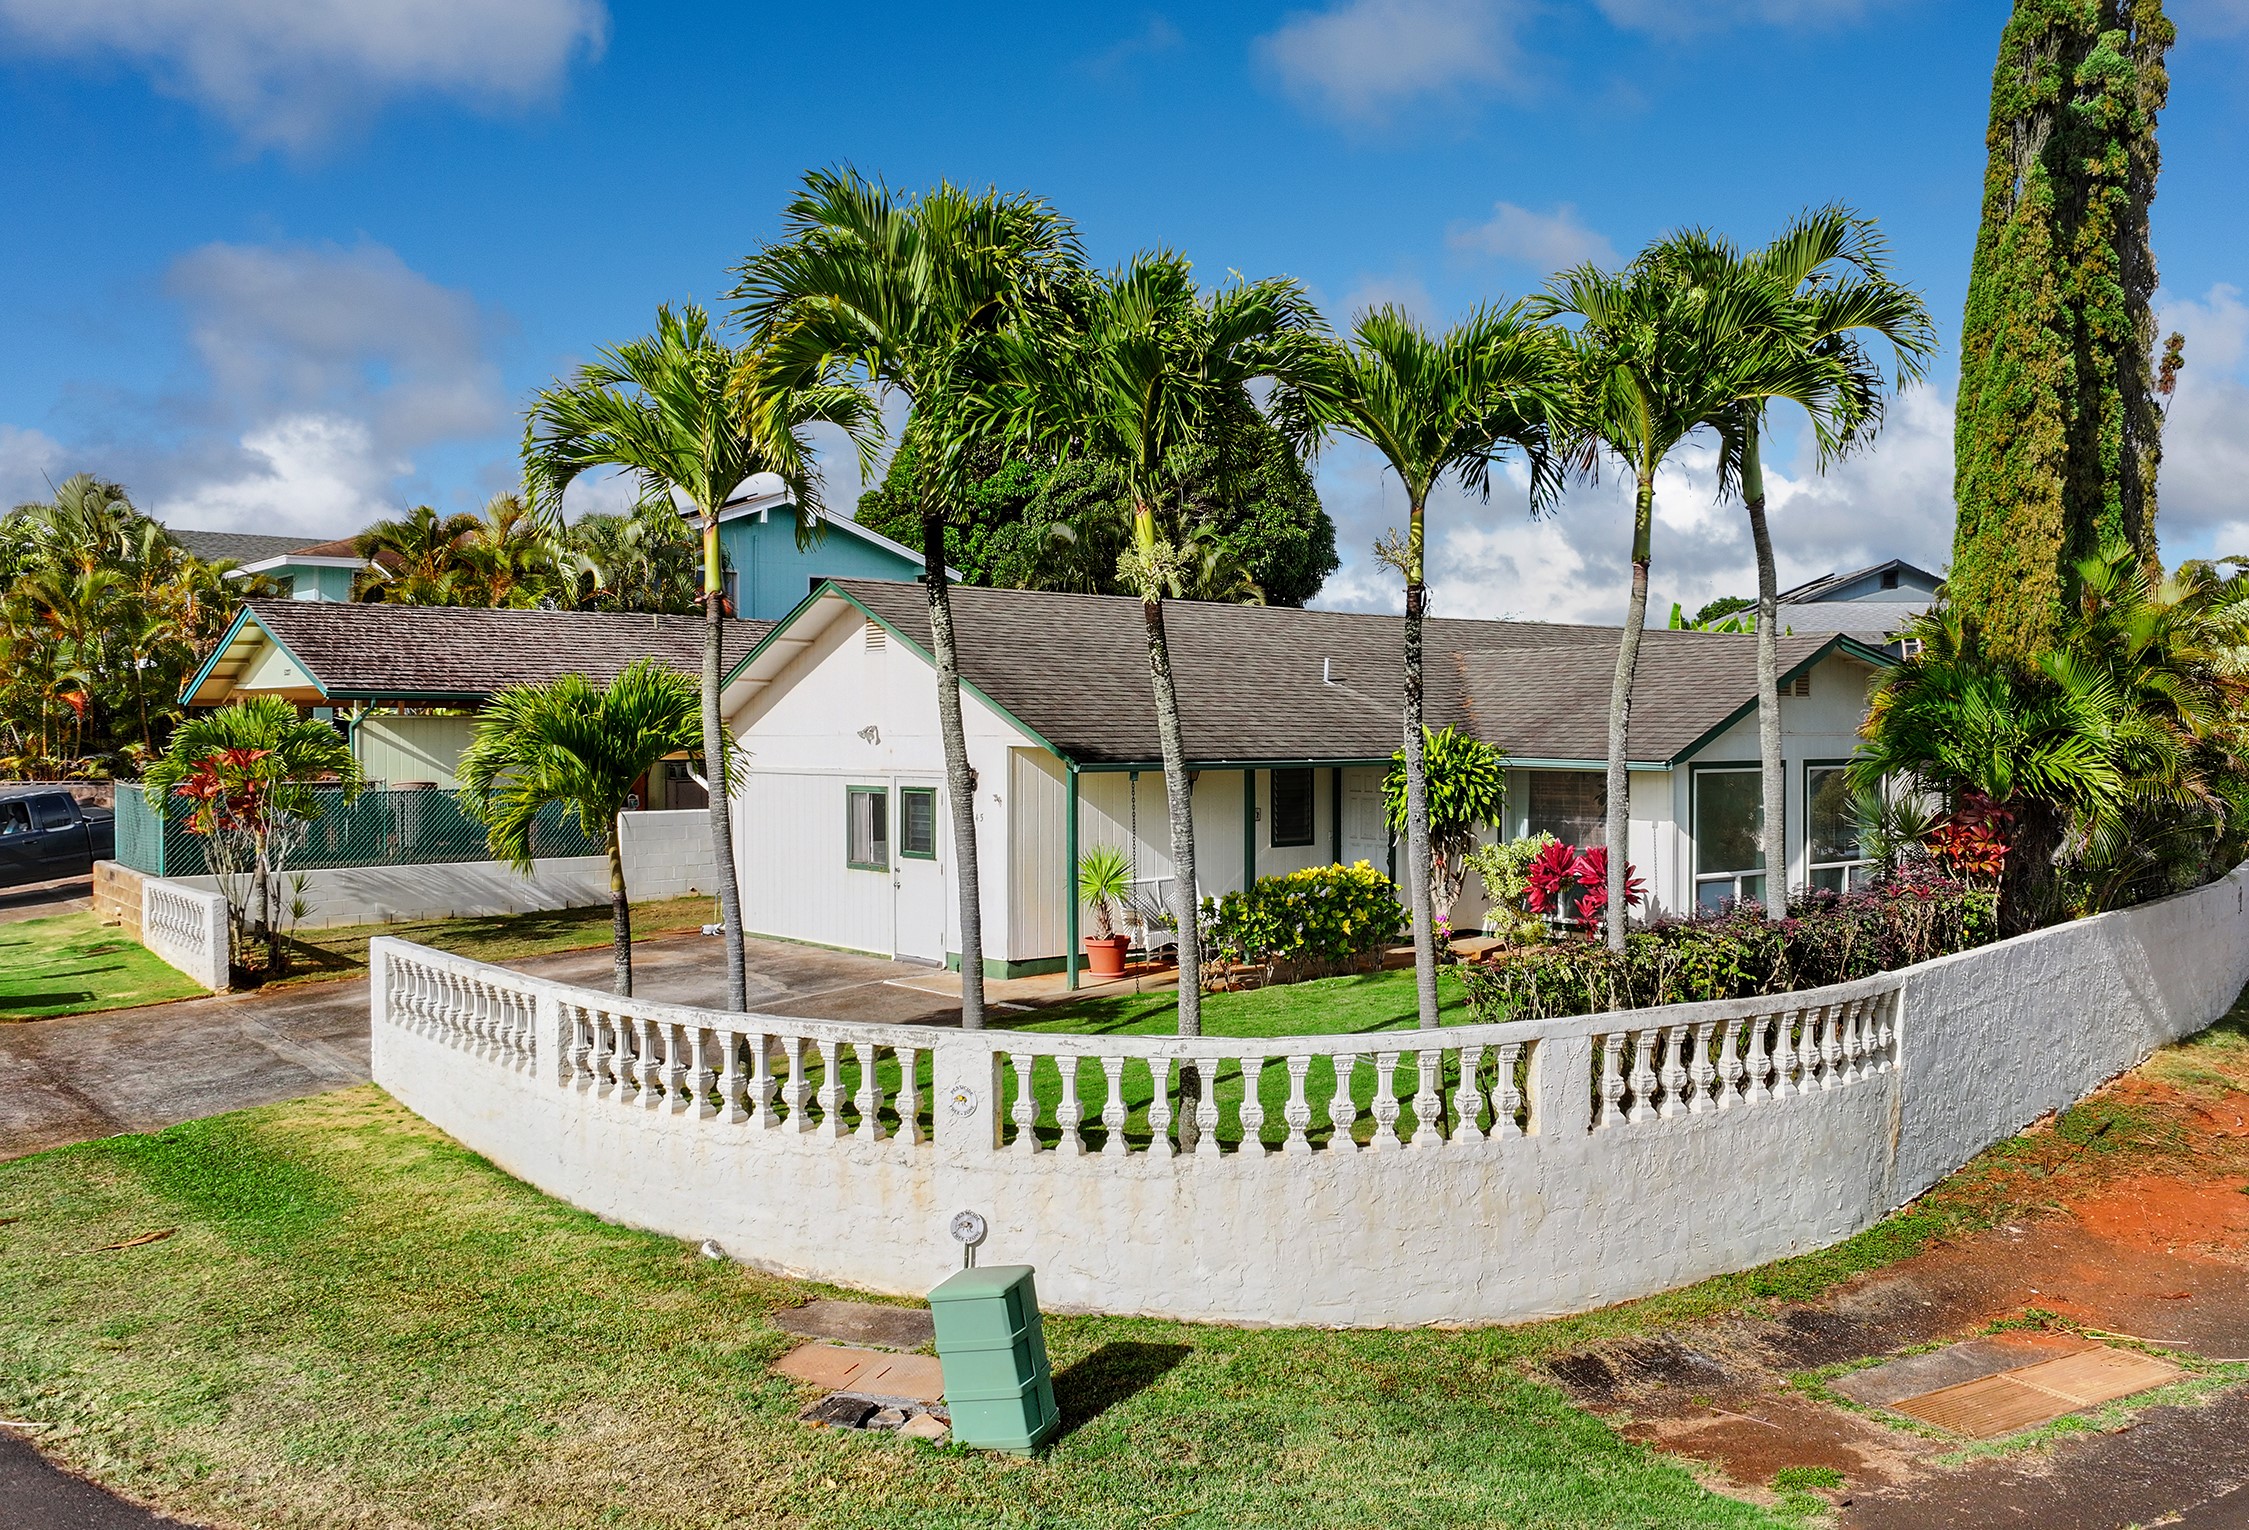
1145,370
661,407
1656,356
511,556
1434,405
583,745
909,293
1833,273
415,559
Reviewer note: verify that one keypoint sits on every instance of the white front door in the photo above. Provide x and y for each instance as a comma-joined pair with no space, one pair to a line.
1366,833
918,863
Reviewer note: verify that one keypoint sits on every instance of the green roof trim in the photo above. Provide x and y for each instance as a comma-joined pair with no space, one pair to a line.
234,630
1841,643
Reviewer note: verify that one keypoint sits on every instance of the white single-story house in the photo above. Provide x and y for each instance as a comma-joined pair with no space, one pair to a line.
1290,718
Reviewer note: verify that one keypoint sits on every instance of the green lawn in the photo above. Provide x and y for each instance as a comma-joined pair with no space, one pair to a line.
355,1322
341,952
68,964
1374,1001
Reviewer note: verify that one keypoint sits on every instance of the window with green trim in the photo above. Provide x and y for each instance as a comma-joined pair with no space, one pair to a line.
917,823
1293,807
867,827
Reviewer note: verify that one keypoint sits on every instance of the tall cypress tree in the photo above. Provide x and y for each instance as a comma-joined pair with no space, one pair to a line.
2056,442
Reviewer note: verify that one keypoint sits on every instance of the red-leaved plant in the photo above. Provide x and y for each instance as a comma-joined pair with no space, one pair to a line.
1972,843
1560,866
1592,871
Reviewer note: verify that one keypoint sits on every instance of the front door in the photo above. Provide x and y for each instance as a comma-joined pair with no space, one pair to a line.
918,870
1366,831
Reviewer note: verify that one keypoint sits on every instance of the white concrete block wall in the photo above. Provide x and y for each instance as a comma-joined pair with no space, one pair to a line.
667,854
188,927
463,889
1565,1217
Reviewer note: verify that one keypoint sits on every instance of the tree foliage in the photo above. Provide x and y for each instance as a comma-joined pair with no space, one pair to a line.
2057,437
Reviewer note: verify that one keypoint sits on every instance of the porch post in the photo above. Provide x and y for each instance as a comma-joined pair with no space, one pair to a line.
1070,875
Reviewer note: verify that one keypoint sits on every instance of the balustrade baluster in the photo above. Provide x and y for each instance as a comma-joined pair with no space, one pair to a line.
1612,1080
909,1099
1729,1066
1385,1101
731,1085
762,1083
1252,1111
797,1096
1343,1107
1026,1113
1298,1111
581,1048
1114,1112
678,1072
832,1123
1702,1070
701,1076
1776,1055
1808,1051
1507,1099
1468,1099
1831,1048
1643,1076
1853,1046
1892,1002
1159,1108
1428,1099
871,1128
1675,1040
1069,1112
1206,1108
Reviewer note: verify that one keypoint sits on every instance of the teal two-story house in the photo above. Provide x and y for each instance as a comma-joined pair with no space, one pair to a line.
768,574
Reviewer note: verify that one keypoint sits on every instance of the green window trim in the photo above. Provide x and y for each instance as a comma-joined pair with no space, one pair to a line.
876,840
909,799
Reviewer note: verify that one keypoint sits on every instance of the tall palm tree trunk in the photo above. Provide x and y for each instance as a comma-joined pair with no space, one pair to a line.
1417,789
1179,797
1775,775
714,770
960,784
620,916
1618,823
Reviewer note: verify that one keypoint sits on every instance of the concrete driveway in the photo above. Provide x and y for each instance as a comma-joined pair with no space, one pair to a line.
138,1070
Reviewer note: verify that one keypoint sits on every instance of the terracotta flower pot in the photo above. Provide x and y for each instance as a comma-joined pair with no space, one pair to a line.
1105,958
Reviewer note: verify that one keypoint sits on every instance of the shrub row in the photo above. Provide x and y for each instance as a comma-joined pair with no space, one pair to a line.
1737,952
1309,923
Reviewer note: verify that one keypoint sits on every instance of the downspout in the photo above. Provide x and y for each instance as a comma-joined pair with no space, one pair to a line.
1070,951
1336,857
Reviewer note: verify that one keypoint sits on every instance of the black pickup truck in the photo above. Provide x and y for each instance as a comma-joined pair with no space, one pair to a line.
45,835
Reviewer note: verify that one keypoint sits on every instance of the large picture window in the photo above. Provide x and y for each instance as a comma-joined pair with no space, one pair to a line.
1571,805
1831,830
1729,815
867,821
1293,807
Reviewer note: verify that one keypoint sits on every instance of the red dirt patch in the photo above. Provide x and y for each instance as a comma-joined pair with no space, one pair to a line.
2206,1219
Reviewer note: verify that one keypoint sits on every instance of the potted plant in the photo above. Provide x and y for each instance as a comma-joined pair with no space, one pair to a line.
1104,881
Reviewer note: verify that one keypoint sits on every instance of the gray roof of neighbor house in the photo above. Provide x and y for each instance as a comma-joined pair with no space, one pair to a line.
1910,581
355,652
1271,683
238,546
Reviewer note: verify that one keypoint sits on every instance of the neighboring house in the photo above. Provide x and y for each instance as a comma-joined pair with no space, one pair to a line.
405,681
1290,718
1872,604
768,574
310,571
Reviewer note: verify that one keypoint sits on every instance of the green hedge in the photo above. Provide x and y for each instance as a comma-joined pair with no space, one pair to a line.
1308,923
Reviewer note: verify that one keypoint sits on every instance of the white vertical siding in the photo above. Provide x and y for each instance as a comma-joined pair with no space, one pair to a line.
413,748
794,879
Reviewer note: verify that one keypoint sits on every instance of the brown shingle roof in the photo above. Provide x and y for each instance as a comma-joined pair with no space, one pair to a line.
1275,683
368,651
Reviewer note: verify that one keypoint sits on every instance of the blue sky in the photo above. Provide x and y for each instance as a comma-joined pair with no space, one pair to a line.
292,268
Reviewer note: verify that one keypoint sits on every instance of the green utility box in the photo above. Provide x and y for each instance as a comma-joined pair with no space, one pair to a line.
997,1386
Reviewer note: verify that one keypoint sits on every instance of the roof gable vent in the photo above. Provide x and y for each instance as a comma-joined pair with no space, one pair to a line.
876,638
1800,686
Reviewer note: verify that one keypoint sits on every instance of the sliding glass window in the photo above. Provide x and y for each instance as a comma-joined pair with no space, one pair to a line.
1831,848
1728,818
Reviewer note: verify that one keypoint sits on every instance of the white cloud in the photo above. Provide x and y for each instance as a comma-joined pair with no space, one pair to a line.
2213,18
1395,291
325,372
287,75
2201,506
1551,241
1157,35
1493,560
1361,59
29,461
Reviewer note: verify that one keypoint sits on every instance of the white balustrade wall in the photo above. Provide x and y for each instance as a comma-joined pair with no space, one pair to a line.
1479,1173
187,926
